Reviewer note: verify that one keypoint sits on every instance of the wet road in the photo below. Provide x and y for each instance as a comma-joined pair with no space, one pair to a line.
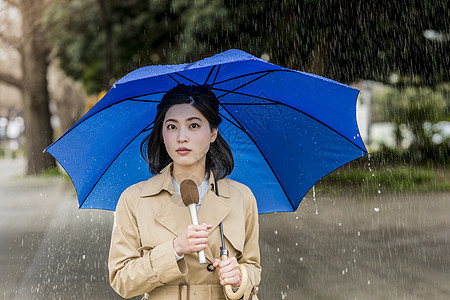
385,247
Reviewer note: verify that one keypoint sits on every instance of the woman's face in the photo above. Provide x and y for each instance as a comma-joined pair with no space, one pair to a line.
187,136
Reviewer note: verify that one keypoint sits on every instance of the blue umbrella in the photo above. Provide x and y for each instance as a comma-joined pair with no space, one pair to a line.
287,129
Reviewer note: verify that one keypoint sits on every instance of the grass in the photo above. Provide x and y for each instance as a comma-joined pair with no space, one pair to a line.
55,172
385,179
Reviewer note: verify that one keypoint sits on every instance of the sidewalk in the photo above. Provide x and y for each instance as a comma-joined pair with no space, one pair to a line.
49,249
384,247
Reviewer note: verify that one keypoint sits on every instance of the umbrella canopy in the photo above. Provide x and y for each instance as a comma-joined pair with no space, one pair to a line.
287,129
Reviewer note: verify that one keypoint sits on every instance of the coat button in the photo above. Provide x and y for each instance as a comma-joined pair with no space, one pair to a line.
210,268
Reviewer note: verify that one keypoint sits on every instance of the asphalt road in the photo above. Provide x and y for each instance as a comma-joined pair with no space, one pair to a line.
384,247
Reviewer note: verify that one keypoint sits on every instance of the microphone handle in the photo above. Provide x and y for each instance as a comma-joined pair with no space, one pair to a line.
193,210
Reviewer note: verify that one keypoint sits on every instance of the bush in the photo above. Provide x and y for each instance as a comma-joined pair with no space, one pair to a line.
370,178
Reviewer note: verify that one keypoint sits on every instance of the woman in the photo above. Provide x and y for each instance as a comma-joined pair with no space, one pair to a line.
154,245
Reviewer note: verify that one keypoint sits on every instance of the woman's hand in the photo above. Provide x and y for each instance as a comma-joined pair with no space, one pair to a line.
228,270
193,239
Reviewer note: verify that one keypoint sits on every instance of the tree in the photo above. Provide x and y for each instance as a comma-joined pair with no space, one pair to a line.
418,109
343,40
34,50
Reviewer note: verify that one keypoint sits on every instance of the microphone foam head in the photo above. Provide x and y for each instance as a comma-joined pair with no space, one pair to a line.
189,192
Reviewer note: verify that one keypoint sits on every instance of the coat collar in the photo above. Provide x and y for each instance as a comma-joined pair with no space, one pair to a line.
163,181
212,211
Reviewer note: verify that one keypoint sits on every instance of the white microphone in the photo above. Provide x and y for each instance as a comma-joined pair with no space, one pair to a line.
190,197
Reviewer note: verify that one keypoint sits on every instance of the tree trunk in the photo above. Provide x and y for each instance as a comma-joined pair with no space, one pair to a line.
38,131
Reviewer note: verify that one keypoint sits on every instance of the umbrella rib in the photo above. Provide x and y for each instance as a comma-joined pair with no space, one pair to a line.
117,156
250,74
262,154
106,107
187,79
247,83
142,100
249,104
215,77
209,74
173,78
274,102
231,122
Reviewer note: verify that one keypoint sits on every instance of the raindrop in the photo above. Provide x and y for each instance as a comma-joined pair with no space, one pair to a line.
314,199
376,209
276,232
368,282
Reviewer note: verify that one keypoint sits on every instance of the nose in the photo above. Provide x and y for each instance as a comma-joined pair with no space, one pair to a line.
182,136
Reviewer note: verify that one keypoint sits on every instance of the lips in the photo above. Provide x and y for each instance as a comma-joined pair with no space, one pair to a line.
183,151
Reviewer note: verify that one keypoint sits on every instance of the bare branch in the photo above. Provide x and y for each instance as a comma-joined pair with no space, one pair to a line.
11,80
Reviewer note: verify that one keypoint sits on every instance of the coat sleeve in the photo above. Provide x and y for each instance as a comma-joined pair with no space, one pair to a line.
132,272
251,255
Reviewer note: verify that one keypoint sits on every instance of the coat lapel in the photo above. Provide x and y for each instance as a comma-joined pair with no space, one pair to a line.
213,211
174,215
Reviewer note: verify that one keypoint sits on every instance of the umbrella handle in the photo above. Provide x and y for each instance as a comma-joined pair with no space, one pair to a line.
244,281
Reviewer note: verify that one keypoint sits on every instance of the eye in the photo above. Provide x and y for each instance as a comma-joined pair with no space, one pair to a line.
171,127
194,125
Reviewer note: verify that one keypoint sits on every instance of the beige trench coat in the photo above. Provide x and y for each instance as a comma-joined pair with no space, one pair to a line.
150,215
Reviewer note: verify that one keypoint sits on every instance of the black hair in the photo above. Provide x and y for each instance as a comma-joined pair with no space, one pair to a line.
219,159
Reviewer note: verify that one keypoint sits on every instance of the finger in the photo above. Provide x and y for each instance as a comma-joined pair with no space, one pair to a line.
216,262
228,271
228,261
229,274
230,280
199,241
196,248
204,226
197,234
201,227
